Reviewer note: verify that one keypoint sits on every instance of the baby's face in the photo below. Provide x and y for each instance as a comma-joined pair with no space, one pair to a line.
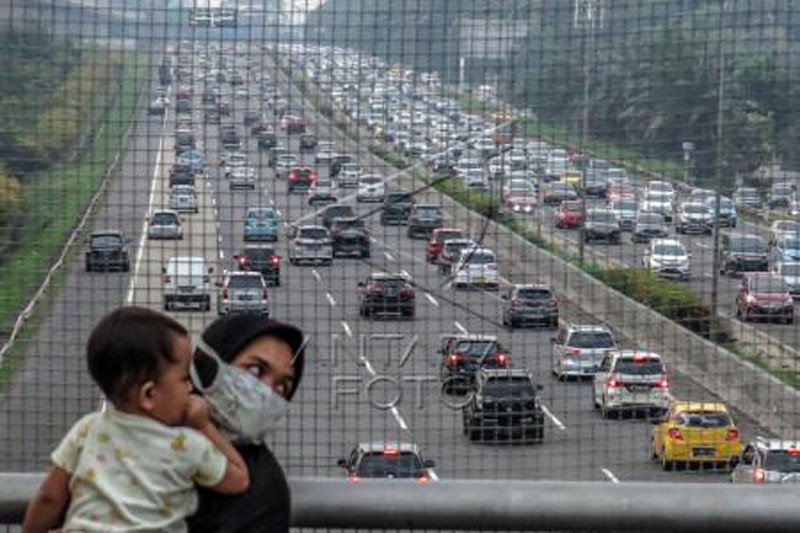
173,387
269,359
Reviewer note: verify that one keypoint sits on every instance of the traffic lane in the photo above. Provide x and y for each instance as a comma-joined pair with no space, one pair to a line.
51,387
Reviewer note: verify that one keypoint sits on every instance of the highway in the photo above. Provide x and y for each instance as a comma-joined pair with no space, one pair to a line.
334,408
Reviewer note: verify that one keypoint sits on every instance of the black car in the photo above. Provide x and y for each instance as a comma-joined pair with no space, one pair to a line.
107,250
308,142
397,207
384,293
261,259
370,460
336,163
505,404
602,225
267,140
184,140
462,355
336,211
649,226
595,186
423,219
231,140
350,236
743,252
525,304
181,174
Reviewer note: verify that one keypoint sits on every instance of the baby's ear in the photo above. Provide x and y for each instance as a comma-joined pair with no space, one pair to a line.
145,396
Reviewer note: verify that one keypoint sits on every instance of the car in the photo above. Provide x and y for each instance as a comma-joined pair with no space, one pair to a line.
768,461
285,162
340,162
595,186
521,202
231,161
779,228
371,460
476,267
631,380
423,219
164,224
261,259
336,211
158,106
371,188
659,202
261,224
648,226
397,207
694,218
602,225
266,140
243,291
183,106
742,252
699,195
181,174
569,215
293,124
436,243
578,349
786,248
462,354
193,159
518,185
308,142
702,433
242,178
451,251
325,152
763,295
230,139
349,176
667,258
618,190
385,293
781,196
310,244
107,250
664,188
187,283
557,192
728,216
323,191
790,272
183,199
475,179
350,236
747,197
301,178
251,116
505,403
528,304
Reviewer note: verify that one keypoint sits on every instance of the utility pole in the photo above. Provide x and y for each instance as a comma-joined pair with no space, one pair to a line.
718,155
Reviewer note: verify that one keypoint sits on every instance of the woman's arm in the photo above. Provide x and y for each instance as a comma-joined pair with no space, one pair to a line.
48,504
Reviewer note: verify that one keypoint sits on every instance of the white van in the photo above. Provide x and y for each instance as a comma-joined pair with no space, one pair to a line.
187,283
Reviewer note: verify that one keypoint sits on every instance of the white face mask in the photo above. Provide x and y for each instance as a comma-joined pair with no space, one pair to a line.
245,409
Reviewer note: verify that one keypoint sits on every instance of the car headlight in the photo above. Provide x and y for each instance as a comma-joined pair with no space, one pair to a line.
516,207
528,208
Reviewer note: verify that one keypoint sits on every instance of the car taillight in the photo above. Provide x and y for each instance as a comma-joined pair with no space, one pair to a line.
391,451
407,293
759,475
573,351
422,479
274,260
733,435
454,359
244,262
516,302
374,288
502,360
225,293
675,434
355,479
613,383
661,384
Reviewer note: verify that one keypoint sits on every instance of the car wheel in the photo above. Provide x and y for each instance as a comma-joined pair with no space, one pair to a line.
88,266
554,322
667,465
474,434
365,254
788,320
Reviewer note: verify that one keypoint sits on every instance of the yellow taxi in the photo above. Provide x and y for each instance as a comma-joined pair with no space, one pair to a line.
572,177
695,432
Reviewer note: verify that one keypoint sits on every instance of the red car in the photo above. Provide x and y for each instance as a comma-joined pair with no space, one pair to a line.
569,215
293,124
435,245
764,295
301,178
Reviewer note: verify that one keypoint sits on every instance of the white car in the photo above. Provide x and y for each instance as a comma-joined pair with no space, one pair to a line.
183,199
663,188
349,176
667,258
242,178
658,202
476,267
790,272
311,244
325,151
164,224
475,179
371,188
285,162
631,380
694,217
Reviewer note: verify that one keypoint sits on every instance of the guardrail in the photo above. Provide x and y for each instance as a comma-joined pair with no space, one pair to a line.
513,505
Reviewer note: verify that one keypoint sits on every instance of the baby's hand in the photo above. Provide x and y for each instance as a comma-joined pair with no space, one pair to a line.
196,415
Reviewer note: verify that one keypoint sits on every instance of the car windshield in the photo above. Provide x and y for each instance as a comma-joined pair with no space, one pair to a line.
535,294
245,282
106,241
561,187
782,461
371,180
509,387
313,233
519,185
382,465
657,197
259,254
660,186
428,211
703,419
342,211
639,366
625,205
695,208
164,219
261,214
480,258
752,244
603,216
397,197
350,223
591,339
791,269
651,219
392,283
447,235
768,284
748,193
791,243
669,249
453,247
572,207
475,348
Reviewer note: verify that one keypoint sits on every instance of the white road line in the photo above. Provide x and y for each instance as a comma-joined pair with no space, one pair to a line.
214,203
143,237
330,299
433,475
347,329
460,328
552,417
221,255
316,275
400,421
609,475
278,212
388,256
405,273
701,245
368,366
431,299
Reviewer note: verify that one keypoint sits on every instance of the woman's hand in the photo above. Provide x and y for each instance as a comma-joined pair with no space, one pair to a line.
196,415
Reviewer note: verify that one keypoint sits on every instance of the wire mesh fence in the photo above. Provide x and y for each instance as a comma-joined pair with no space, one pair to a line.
525,239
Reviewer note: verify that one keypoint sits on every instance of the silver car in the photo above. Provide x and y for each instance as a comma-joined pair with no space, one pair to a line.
183,199
243,292
579,349
631,380
310,244
164,224
768,461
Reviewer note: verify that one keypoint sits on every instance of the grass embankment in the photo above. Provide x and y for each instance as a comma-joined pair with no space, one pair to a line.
106,88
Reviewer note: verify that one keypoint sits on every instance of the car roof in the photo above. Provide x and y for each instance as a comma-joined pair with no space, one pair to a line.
505,373
666,241
619,354
379,446
311,226
470,337
243,273
588,327
388,276
695,407
518,286
773,444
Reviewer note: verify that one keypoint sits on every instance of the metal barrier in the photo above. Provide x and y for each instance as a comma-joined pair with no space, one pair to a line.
513,505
